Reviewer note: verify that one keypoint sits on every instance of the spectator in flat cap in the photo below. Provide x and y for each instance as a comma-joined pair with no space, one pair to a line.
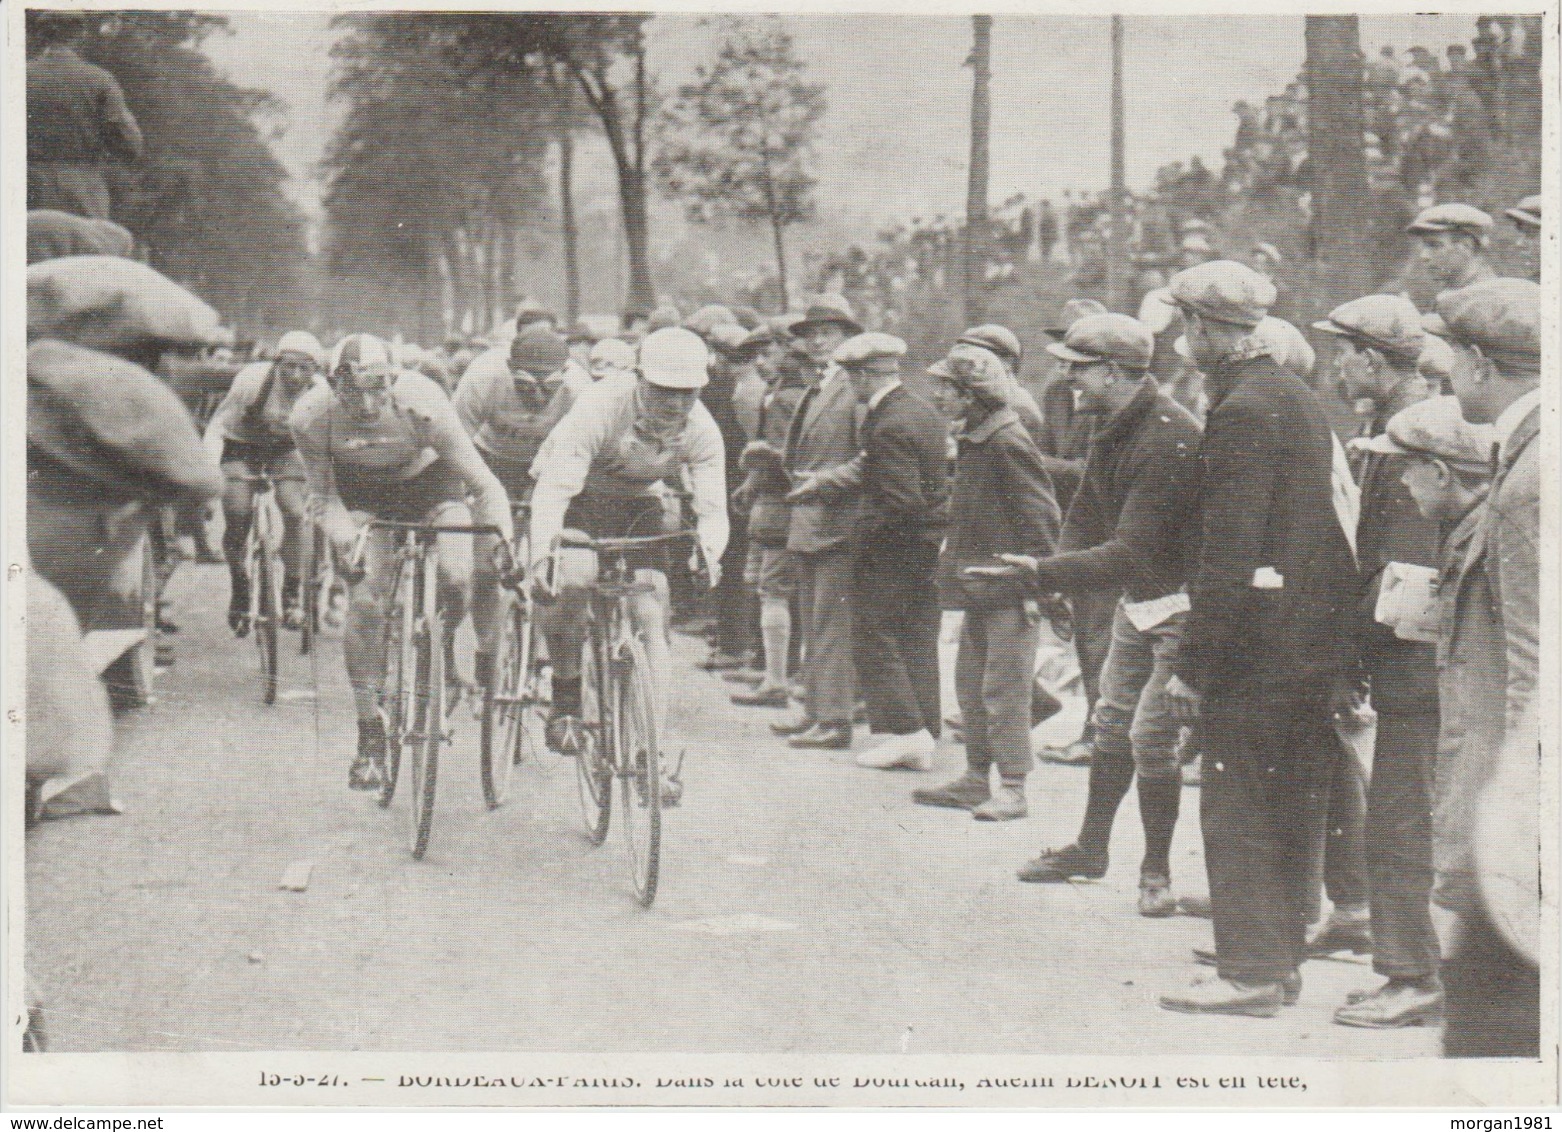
902,476
1265,644
77,121
1491,979
822,435
1526,222
1005,345
708,317
1451,244
54,235
1125,536
1381,340
529,313
1001,503
662,317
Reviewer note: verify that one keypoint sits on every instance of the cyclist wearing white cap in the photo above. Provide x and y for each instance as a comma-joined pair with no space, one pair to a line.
605,471
249,433
382,443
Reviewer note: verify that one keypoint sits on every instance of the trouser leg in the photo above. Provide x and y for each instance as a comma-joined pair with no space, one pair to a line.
1399,845
831,682
1006,689
970,668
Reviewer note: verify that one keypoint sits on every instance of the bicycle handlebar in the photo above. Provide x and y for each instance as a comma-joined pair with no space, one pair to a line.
574,540
432,528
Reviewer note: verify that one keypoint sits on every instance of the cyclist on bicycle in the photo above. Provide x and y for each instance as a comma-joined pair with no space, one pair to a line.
605,472
249,432
383,443
508,403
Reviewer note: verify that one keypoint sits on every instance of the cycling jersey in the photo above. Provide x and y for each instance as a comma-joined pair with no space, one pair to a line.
600,450
509,415
413,451
256,409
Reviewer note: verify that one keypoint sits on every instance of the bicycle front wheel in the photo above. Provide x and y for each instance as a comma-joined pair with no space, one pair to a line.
429,733
268,612
594,763
498,743
396,690
639,770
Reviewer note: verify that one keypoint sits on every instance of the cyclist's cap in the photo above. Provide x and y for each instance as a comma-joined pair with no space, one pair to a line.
675,358
539,351
360,352
301,342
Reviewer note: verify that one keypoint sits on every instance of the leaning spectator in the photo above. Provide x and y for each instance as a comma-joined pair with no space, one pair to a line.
1451,244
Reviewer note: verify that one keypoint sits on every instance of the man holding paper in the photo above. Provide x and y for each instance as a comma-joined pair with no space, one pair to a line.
1124,535
1380,343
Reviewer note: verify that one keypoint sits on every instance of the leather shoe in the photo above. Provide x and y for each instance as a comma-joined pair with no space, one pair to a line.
1055,866
1225,996
964,793
1006,804
788,728
824,737
762,697
1341,934
910,752
1155,896
1393,1006
750,676
1077,753
1195,906
1290,986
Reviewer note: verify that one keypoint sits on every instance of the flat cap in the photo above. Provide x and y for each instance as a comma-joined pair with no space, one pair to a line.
539,350
1072,312
115,305
1499,316
761,335
708,317
728,337
530,310
613,352
1434,428
1223,290
580,332
868,347
1450,218
827,309
1107,338
1436,362
1287,345
1526,214
52,234
662,317
113,424
1389,323
999,339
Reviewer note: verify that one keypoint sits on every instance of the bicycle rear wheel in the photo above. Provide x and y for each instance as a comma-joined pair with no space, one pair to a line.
502,706
594,763
267,603
429,721
396,691
309,587
639,770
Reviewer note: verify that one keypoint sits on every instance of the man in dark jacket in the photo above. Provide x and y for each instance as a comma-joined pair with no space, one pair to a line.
76,120
1272,584
903,477
1001,503
1380,342
1125,535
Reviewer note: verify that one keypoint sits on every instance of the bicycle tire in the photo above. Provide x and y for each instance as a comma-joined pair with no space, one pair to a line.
429,701
308,596
395,689
267,604
502,708
639,769
594,763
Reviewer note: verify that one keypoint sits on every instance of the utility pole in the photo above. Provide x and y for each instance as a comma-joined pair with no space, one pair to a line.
976,186
1117,244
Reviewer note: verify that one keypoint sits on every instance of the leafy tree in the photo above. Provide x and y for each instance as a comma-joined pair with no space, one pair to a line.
737,140
206,199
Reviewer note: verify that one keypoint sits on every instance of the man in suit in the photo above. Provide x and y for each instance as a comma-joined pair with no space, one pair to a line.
903,475
1272,582
822,436
1491,978
1380,344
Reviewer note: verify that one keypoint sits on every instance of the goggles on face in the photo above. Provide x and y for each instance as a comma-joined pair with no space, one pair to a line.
360,379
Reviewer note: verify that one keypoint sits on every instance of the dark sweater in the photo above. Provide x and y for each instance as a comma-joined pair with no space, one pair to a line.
1001,503
1127,527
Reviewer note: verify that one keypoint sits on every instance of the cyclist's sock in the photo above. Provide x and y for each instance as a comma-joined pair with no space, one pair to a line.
566,695
483,668
238,585
290,590
371,737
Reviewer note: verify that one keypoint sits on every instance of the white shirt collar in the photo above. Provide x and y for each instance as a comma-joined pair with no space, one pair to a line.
1507,424
880,393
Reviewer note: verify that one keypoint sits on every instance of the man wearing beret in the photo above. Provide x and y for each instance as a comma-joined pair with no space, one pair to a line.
76,121
902,474
1491,977
1451,244
1272,583
822,436
1381,341
1125,535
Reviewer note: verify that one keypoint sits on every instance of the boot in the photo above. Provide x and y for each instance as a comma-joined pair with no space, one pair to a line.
967,792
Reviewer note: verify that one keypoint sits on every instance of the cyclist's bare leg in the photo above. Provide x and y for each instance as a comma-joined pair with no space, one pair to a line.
237,508
363,637
487,604
650,611
292,496
455,578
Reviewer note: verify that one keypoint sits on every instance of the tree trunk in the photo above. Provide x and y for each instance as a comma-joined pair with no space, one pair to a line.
567,220
778,230
1337,164
1117,247
630,164
976,186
